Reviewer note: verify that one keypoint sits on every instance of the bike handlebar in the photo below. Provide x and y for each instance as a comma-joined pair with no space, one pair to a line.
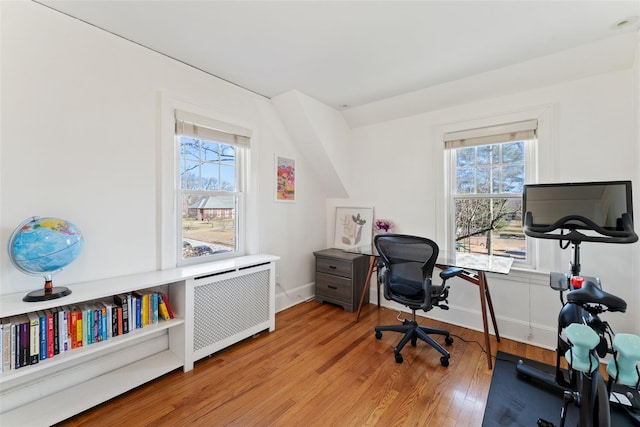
626,235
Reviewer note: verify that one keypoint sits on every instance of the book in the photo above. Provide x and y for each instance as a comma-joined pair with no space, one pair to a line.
162,309
23,343
121,321
34,338
15,331
86,325
73,327
104,323
6,344
153,318
136,301
107,322
42,332
50,335
63,335
97,323
123,304
166,302
79,327
56,331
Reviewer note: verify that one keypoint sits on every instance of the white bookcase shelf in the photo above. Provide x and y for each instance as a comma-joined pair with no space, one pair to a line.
47,392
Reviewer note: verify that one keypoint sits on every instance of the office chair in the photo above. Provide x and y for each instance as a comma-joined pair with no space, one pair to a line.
405,267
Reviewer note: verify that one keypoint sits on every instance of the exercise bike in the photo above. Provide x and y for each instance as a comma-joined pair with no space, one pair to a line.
582,337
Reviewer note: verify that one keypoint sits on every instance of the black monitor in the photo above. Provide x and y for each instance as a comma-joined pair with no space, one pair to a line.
604,207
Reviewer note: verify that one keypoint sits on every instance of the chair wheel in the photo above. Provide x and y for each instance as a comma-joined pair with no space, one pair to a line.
399,358
444,361
378,334
414,342
448,340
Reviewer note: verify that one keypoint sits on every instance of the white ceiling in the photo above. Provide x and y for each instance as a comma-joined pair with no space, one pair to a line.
350,53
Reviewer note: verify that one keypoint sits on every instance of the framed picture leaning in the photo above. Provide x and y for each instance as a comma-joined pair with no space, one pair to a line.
354,227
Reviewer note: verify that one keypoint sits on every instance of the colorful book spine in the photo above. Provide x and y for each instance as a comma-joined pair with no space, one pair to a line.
123,305
24,342
34,338
6,344
166,302
154,305
50,346
42,332
162,309
63,336
56,331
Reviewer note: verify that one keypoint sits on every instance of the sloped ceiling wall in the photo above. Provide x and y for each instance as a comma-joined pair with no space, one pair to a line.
323,137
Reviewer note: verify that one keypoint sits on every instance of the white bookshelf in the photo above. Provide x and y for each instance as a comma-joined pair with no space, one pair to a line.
69,383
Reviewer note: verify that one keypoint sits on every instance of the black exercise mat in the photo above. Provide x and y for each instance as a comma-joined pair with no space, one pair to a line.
514,401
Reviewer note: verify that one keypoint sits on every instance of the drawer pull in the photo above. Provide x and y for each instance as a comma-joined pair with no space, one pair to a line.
332,287
333,267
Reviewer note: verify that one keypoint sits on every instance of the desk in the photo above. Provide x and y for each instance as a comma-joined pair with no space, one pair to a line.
478,264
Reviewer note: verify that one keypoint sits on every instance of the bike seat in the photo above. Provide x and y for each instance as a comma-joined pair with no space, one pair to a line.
591,294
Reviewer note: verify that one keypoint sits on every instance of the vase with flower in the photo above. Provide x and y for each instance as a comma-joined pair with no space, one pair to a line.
382,226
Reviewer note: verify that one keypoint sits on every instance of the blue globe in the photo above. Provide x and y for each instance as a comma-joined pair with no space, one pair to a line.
44,246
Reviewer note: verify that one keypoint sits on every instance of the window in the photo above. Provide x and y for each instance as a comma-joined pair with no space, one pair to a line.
489,167
210,188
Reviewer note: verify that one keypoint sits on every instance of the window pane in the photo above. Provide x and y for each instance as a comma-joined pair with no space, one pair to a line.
208,225
227,178
210,151
210,174
488,154
189,175
513,152
465,156
490,226
483,183
189,148
465,181
495,183
512,179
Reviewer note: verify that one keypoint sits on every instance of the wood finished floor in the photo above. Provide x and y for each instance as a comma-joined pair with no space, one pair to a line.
319,368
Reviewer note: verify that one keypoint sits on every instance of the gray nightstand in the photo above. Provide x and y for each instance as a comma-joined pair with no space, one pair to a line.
340,277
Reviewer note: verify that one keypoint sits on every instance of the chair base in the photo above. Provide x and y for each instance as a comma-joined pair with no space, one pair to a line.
412,331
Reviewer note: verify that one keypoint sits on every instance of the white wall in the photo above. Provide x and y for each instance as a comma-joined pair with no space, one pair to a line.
590,136
81,139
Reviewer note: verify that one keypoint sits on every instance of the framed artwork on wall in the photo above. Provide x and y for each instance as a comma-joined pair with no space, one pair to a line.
285,179
354,227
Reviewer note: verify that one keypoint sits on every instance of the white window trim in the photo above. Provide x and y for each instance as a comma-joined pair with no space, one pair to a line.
168,183
540,156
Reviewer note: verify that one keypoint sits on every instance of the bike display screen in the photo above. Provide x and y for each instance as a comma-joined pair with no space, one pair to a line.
600,202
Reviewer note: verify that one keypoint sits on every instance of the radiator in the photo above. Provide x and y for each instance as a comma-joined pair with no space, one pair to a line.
231,306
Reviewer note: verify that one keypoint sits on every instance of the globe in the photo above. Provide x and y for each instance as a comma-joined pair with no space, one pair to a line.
43,247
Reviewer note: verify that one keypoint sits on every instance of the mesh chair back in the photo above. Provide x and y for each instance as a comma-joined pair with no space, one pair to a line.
409,258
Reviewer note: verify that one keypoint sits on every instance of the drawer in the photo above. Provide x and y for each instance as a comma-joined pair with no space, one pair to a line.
334,266
335,287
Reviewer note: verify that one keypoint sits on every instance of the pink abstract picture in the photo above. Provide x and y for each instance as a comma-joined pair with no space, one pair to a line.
286,179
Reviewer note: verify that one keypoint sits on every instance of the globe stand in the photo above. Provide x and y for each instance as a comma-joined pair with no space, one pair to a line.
49,292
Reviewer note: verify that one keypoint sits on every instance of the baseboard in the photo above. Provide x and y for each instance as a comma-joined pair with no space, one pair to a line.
513,329
286,298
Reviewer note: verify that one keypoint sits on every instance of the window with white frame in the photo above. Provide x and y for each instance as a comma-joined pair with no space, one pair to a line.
212,159
488,169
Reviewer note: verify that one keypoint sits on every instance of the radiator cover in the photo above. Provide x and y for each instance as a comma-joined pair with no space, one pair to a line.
230,307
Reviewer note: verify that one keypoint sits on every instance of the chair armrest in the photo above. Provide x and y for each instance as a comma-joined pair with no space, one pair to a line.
448,273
